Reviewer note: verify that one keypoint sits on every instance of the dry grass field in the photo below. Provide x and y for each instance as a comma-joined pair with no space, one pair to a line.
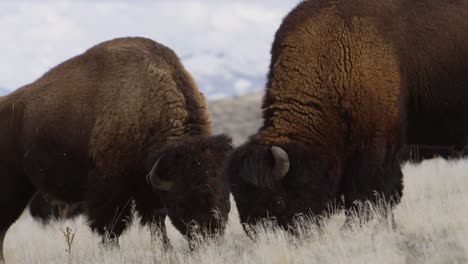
432,224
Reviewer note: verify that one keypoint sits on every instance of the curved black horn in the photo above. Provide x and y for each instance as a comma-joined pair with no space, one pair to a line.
281,167
158,183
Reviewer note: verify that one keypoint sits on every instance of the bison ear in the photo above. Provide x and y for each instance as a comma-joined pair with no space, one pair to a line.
157,182
281,167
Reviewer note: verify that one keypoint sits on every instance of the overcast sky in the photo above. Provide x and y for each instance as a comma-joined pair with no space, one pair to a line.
221,42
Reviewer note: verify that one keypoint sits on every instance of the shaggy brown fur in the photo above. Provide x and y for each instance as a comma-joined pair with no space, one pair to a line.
347,79
92,128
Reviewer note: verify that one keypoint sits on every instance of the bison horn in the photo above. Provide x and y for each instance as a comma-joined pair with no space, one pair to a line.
281,166
158,183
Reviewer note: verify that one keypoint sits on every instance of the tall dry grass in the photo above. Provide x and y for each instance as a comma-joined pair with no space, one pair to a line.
432,224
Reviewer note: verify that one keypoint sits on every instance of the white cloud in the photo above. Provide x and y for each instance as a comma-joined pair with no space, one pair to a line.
215,38
242,85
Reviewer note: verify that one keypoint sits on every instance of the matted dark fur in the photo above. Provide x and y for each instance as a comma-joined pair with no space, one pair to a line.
91,129
351,83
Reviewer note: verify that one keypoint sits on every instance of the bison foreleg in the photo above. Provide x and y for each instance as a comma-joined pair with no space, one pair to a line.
372,188
153,214
154,218
15,193
116,223
109,209
2,238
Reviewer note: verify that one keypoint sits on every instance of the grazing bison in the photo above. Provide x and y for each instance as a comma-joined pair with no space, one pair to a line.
350,83
43,209
122,123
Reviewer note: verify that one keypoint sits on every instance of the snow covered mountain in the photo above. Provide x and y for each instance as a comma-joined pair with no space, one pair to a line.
219,74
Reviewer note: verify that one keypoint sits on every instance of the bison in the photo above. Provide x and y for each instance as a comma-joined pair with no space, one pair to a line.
122,124
352,82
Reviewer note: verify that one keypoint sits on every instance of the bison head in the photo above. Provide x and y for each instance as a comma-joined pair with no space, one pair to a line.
277,183
187,177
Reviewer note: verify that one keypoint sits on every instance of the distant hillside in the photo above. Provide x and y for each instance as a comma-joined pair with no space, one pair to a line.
238,117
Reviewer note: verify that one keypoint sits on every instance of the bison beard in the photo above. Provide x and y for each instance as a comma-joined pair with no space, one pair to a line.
92,128
351,83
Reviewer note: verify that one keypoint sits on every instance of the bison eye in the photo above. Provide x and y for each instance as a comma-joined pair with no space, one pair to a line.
279,204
